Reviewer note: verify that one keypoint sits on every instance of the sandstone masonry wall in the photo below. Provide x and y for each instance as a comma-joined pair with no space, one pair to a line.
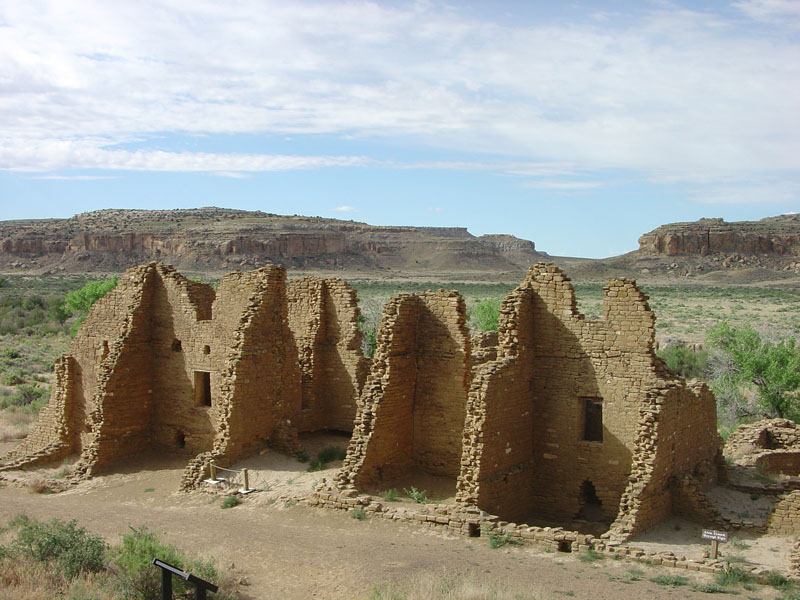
411,412
323,316
530,451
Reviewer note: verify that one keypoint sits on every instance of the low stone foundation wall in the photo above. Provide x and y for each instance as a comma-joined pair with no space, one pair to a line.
470,521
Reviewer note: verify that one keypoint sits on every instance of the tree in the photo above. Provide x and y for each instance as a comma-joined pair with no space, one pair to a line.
770,369
79,301
486,314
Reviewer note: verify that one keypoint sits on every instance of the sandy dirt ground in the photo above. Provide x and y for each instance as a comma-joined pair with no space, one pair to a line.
281,548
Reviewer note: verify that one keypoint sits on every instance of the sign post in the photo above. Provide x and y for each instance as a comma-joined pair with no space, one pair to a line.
716,537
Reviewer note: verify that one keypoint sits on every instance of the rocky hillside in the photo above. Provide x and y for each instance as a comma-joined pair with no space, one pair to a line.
743,250
225,239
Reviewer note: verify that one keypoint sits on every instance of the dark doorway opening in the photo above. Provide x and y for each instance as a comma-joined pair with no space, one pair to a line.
180,439
593,419
591,506
202,388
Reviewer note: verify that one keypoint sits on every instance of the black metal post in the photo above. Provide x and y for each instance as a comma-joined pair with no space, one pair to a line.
201,586
166,585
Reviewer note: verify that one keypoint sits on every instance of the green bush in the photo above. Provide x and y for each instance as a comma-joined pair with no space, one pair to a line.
358,514
72,548
231,501
26,395
685,362
486,314
498,538
770,369
13,377
79,301
331,453
302,456
418,496
137,579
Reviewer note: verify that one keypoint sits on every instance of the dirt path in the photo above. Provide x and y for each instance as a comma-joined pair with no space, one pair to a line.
299,552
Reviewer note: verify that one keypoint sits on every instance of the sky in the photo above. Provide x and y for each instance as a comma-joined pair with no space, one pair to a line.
579,125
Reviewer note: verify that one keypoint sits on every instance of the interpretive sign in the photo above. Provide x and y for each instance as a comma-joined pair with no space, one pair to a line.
714,535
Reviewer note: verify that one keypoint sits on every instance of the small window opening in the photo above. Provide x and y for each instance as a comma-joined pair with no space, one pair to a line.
474,530
591,506
176,346
593,419
202,388
206,349
105,350
180,439
564,546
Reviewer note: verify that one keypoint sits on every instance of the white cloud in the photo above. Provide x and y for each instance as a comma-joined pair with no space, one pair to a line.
49,155
344,209
563,185
73,177
672,93
777,12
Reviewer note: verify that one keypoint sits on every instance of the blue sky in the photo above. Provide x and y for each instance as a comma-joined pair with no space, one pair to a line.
578,125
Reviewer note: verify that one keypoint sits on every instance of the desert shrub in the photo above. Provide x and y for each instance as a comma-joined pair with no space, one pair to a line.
685,362
358,514
78,302
25,395
485,315
331,453
769,369
11,353
13,377
137,579
418,496
302,456
670,580
498,538
231,501
731,575
72,548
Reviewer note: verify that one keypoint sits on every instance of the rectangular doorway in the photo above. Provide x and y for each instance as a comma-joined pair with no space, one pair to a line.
202,388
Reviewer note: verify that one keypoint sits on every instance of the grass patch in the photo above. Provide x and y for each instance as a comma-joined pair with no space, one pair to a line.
709,588
633,575
302,456
231,501
359,514
670,580
148,490
731,576
324,456
390,495
590,555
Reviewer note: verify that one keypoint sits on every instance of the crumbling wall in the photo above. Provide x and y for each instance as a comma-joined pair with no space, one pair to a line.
323,316
259,385
164,361
411,412
554,424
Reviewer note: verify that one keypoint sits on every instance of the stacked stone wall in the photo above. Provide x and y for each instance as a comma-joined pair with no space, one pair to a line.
412,409
528,451
323,316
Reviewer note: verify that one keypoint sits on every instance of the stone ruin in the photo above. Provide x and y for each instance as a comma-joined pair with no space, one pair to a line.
555,419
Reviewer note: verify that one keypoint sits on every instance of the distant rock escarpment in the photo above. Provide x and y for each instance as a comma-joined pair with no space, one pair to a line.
773,235
703,247
221,239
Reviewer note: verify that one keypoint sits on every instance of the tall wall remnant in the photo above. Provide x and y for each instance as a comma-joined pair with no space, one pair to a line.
411,413
323,316
574,414
165,361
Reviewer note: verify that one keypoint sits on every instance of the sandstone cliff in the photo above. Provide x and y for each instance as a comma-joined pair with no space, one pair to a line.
222,239
773,235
